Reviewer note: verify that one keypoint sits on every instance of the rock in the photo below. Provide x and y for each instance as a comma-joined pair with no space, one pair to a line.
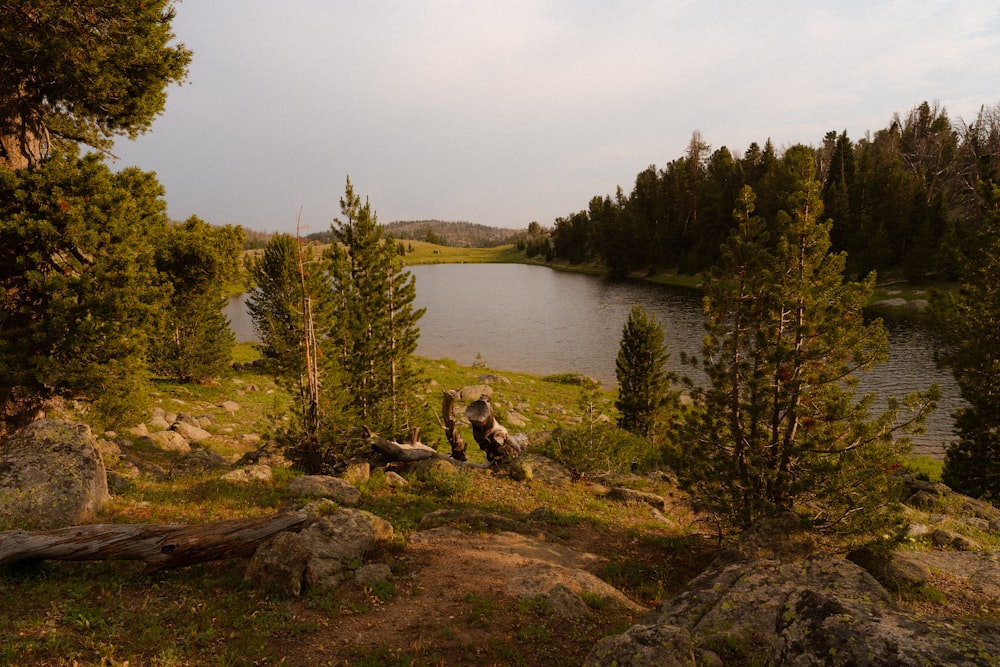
255,473
515,419
201,459
231,407
821,610
51,476
357,472
369,574
627,495
475,392
190,432
158,424
138,431
393,478
544,469
896,573
520,471
278,565
170,441
319,555
527,566
945,539
334,540
324,486
779,538
666,646
491,378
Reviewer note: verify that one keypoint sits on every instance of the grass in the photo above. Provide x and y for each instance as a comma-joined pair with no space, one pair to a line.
113,613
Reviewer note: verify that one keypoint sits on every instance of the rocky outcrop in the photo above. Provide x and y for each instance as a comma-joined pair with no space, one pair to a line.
51,476
776,605
528,566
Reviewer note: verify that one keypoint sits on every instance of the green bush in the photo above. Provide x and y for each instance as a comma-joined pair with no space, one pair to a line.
600,450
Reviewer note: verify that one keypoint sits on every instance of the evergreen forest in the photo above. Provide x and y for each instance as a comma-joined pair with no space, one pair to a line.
903,200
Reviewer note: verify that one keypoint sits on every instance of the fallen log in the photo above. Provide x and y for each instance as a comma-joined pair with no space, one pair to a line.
159,546
401,452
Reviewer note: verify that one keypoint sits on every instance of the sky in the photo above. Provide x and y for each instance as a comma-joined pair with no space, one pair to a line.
512,111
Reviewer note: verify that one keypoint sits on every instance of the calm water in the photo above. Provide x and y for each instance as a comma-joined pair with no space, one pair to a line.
533,319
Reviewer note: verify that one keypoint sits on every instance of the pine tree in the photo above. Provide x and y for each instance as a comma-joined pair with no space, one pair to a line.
80,71
375,329
79,292
197,259
779,427
972,462
276,303
644,384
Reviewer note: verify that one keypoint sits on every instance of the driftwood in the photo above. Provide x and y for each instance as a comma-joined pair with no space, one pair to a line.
453,436
406,453
159,546
489,434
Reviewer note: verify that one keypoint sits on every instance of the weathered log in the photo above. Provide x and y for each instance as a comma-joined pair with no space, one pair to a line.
159,546
453,436
401,452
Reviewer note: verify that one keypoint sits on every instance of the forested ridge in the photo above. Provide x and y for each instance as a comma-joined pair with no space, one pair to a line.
902,198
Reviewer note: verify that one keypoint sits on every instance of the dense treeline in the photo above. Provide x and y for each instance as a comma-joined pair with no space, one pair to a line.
903,198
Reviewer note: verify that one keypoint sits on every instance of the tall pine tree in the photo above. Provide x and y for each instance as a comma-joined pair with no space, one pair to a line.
779,428
972,462
375,331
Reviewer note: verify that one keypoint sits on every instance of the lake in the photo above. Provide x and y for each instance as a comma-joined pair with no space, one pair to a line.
535,320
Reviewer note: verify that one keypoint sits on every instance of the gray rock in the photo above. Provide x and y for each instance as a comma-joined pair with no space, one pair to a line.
51,476
369,574
231,407
190,431
475,392
319,555
661,645
393,478
627,495
170,441
818,611
324,486
251,474
333,541
279,564
357,472
158,424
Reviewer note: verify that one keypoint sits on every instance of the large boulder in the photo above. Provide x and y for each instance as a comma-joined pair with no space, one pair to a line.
51,476
822,610
323,554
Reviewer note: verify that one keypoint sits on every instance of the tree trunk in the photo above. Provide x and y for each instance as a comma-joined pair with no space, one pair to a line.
454,437
159,546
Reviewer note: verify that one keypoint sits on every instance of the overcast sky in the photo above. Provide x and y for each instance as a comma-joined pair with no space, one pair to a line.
511,111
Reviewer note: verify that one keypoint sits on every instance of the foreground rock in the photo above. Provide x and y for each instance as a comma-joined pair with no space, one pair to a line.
51,476
321,555
817,610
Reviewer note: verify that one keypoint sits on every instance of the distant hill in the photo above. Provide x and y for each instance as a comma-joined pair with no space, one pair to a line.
442,232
